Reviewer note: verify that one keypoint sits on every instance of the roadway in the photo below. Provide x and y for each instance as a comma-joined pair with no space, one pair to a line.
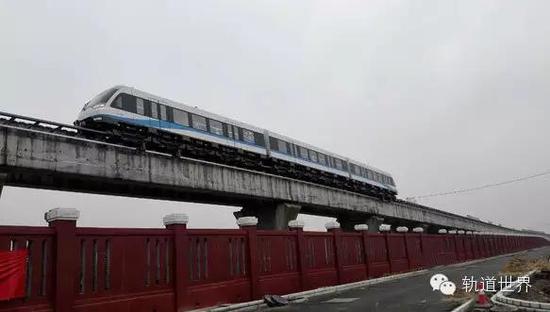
407,294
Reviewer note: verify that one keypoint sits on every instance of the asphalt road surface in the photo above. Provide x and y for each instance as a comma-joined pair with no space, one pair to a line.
407,294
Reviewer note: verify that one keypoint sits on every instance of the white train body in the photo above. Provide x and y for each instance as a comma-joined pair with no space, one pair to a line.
127,105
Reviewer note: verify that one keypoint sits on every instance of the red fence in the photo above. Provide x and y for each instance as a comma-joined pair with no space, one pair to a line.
99,269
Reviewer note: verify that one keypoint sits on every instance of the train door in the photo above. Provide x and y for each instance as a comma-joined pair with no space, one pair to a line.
154,122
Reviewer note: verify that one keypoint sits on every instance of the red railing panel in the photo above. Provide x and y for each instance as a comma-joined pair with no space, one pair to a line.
278,262
377,255
40,265
398,253
353,258
415,251
137,269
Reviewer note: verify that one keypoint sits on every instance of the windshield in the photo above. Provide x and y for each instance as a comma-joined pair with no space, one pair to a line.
103,97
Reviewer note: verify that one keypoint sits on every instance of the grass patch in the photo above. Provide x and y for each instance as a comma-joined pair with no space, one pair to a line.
519,266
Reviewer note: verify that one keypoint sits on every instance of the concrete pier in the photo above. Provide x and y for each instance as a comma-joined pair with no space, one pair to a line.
273,216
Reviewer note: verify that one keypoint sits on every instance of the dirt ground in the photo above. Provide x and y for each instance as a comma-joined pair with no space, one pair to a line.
540,290
540,282
519,266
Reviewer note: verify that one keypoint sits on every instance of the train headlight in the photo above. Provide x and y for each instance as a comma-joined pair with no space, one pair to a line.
100,105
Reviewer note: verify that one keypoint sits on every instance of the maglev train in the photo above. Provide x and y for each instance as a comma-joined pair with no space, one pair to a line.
155,123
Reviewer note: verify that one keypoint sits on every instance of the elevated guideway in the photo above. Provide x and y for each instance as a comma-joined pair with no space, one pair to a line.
40,154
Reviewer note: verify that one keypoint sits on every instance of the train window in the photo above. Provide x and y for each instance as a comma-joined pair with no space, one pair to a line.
303,152
392,182
313,156
163,115
169,114
259,139
105,96
353,168
282,146
140,109
128,103
248,136
230,131
181,117
273,144
216,127
342,164
322,159
236,133
154,110
146,108
117,102
199,122
338,164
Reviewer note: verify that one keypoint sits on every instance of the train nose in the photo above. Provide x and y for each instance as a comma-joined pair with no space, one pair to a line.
85,113
81,114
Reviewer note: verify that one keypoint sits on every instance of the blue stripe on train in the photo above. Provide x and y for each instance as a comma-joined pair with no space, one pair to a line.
166,125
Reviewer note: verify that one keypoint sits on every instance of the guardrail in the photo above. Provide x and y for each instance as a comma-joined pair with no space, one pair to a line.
113,269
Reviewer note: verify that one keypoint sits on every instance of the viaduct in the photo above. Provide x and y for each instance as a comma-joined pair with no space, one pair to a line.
38,159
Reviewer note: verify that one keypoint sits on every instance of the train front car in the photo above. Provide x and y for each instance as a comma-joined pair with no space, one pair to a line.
106,113
98,112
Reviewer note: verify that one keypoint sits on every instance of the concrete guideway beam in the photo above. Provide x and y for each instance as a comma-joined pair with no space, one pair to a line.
36,159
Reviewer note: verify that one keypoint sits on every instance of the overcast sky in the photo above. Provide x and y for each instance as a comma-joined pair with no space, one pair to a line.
442,94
